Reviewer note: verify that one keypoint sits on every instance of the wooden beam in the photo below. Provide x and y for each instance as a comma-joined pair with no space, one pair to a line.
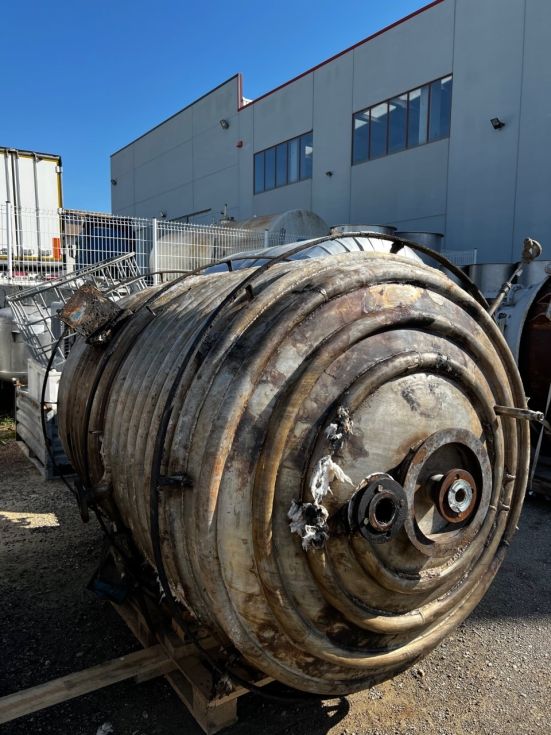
151,660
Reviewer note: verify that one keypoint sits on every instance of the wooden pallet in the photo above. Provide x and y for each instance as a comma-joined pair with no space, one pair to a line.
191,679
166,653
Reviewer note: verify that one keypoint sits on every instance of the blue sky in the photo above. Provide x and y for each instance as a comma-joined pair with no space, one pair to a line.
84,78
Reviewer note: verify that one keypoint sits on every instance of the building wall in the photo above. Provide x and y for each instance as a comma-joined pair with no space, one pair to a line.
183,165
533,192
482,188
487,83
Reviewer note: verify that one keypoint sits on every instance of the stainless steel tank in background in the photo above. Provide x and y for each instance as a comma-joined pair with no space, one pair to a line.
13,350
321,247
380,229
489,277
293,224
513,314
431,240
175,250
525,320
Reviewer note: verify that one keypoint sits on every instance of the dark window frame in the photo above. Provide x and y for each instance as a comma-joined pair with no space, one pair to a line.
286,143
289,148
256,160
272,152
408,145
284,178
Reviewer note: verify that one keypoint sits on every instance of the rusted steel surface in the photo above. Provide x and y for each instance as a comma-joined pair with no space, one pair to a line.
535,368
333,375
88,311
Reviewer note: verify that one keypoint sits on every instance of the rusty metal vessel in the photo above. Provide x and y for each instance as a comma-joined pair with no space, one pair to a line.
312,453
525,320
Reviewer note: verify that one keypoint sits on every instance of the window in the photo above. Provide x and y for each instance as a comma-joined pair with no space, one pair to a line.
397,123
377,130
440,108
408,120
418,115
285,163
269,169
281,164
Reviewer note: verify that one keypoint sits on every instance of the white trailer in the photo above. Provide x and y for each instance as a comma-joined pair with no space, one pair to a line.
30,194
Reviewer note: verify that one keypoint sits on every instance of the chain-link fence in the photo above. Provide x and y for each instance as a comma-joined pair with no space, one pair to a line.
38,245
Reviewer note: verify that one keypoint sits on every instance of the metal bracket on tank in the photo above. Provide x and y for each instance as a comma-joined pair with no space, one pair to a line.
92,314
89,496
167,481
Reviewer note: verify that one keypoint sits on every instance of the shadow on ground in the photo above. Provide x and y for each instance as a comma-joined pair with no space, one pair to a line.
522,588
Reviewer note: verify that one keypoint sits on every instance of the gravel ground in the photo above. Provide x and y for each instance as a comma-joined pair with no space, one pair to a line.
492,676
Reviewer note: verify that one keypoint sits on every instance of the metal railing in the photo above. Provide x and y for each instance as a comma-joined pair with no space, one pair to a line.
35,309
38,245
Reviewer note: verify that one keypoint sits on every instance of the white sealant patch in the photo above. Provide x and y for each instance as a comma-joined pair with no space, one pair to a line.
309,520
325,472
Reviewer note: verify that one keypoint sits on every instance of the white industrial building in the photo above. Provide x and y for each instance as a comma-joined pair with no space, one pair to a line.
440,122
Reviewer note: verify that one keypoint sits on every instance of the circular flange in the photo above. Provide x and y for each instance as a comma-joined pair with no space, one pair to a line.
458,496
453,447
379,509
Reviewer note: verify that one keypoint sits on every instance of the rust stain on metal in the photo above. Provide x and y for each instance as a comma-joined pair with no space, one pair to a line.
88,311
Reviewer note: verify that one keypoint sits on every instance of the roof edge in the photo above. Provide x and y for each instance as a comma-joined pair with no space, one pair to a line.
30,154
342,53
202,97
239,78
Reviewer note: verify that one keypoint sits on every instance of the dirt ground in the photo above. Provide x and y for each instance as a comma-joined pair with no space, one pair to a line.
493,676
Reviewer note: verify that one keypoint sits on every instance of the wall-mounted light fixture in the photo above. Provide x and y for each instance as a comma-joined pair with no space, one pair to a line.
329,173
224,124
497,124
114,182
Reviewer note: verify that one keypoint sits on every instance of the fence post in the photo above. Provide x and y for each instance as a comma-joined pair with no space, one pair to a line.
154,250
266,239
9,240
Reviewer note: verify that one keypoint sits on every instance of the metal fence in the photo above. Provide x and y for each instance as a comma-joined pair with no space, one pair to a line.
38,245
